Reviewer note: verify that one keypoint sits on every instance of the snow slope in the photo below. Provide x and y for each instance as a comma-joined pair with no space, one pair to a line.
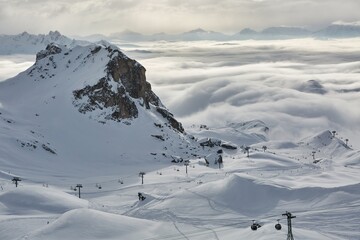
72,224
35,199
41,122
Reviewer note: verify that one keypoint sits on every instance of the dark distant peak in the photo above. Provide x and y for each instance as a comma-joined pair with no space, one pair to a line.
312,86
129,32
127,35
339,30
285,31
54,35
248,31
159,33
24,34
198,30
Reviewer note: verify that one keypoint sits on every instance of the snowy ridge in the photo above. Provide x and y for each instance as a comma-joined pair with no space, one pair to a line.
326,143
26,43
335,30
30,200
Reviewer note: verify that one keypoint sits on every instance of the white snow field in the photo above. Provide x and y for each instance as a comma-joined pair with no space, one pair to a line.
52,147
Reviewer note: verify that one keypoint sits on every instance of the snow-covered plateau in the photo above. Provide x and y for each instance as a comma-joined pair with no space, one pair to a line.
100,156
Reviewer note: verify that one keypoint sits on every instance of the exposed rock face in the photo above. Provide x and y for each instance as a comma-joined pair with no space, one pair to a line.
122,90
101,96
50,50
132,76
170,117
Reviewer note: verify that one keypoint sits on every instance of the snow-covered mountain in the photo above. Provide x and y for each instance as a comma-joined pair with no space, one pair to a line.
339,31
129,35
201,34
246,33
272,33
193,35
26,43
83,105
285,32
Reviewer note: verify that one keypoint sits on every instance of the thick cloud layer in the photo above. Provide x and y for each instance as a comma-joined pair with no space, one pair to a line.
14,64
297,87
150,16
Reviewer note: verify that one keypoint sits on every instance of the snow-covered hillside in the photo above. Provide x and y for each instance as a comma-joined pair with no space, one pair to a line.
85,108
204,203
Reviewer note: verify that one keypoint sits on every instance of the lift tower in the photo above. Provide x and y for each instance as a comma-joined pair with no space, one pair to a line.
289,217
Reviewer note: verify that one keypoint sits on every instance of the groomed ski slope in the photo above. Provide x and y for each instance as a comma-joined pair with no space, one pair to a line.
206,203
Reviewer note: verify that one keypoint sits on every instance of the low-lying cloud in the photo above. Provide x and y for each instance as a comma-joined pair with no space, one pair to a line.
298,87
14,64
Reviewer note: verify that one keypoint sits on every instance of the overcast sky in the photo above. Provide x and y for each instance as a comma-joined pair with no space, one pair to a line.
150,16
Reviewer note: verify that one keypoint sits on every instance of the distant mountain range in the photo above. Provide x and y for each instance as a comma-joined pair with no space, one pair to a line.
272,33
26,43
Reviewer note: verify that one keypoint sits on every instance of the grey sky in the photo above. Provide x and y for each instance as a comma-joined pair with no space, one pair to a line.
150,16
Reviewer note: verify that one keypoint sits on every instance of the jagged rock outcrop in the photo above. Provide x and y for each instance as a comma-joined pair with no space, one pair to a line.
170,117
122,90
50,50
131,75
102,96
118,91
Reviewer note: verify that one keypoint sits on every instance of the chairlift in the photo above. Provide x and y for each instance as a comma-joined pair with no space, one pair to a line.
278,225
254,226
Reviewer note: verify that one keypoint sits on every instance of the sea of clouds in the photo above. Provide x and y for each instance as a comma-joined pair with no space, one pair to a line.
297,87
11,65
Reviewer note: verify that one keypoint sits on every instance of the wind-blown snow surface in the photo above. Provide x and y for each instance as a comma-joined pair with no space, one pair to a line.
321,189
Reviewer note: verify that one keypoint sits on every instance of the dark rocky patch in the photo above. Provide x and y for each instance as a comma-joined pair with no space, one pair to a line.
50,50
170,117
160,137
46,148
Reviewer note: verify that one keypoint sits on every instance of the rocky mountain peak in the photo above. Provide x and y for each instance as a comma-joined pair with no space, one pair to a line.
122,91
55,34
131,75
50,50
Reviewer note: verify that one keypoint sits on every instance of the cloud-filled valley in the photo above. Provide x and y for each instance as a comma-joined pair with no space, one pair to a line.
297,87
11,65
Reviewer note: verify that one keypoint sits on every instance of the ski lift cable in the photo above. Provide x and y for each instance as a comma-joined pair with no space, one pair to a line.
228,227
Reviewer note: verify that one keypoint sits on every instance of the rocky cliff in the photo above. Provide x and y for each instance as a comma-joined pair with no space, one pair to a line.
120,91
